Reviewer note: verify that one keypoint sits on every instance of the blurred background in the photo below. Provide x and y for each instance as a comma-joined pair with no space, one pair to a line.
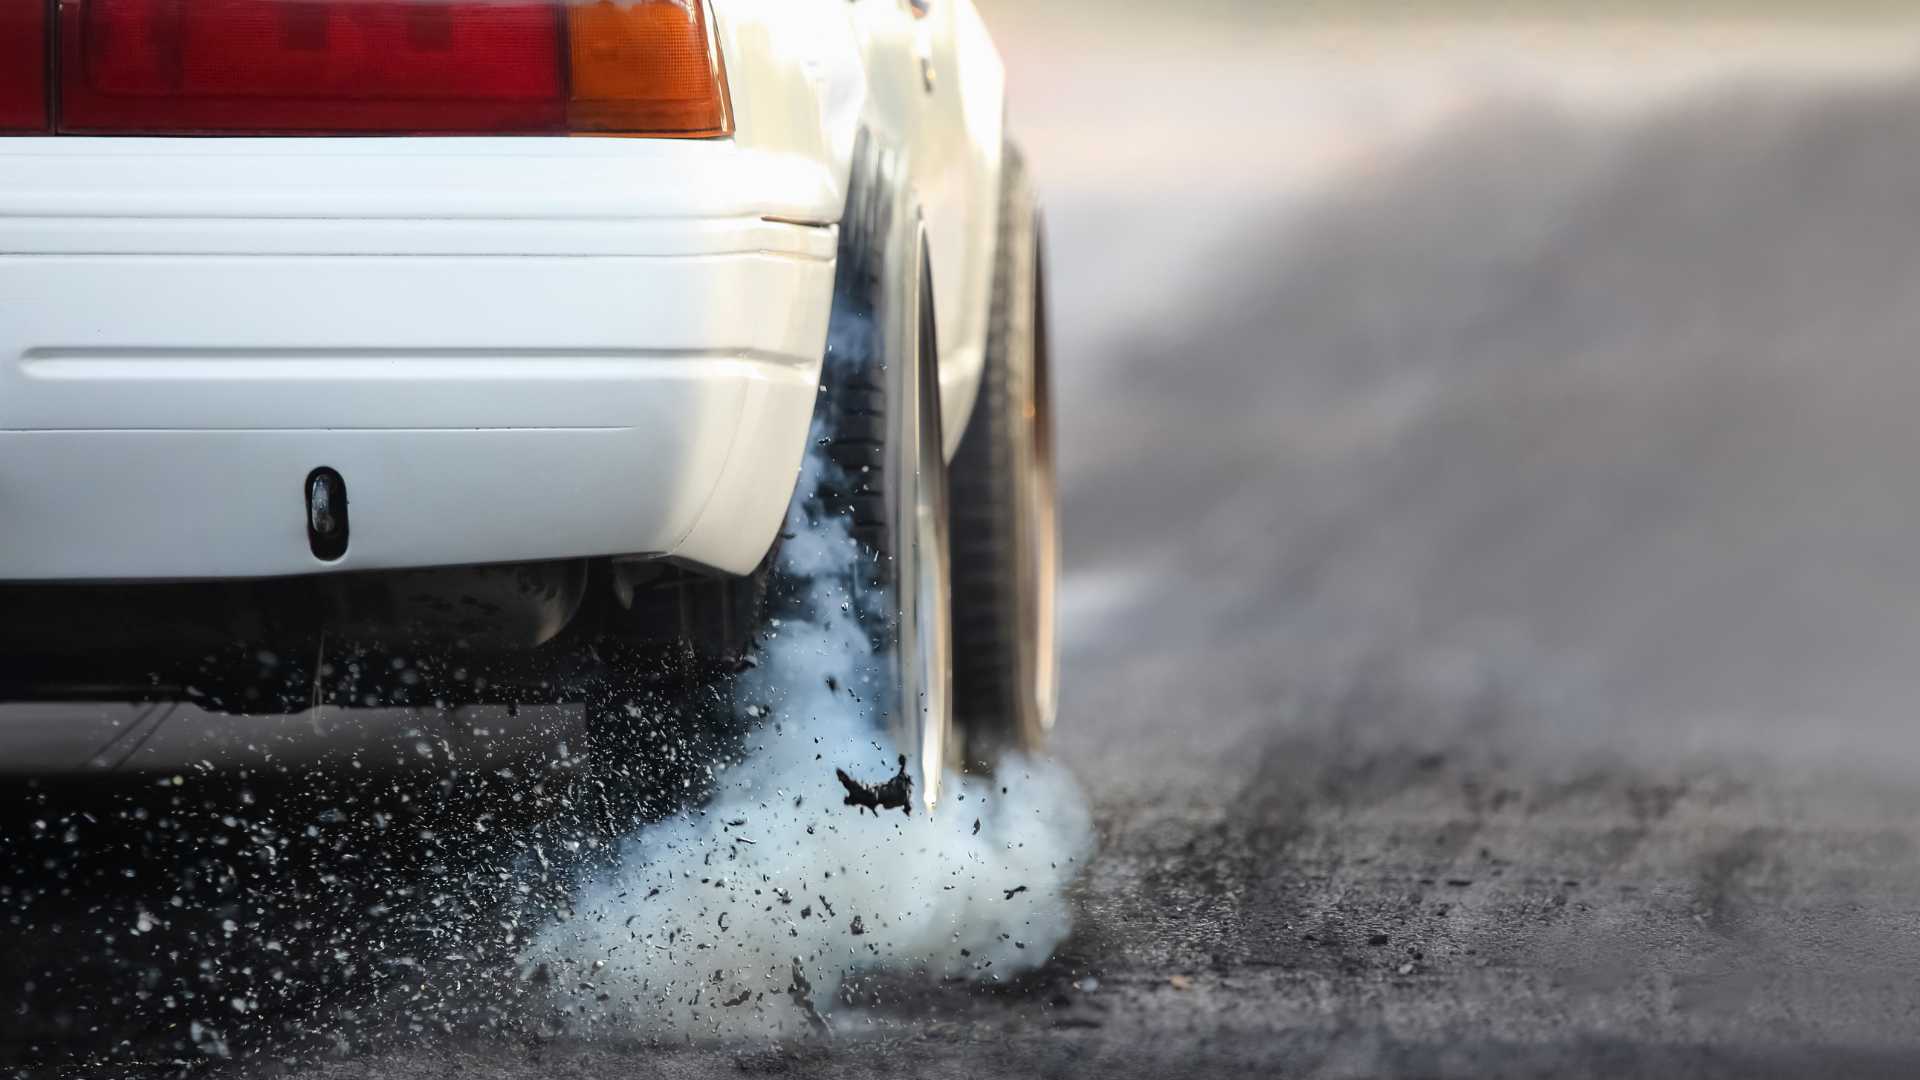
1567,343
1491,486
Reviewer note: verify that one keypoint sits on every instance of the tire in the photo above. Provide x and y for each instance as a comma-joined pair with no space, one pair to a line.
1005,530
879,423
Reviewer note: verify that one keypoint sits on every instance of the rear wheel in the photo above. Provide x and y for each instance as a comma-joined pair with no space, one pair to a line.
1005,532
879,422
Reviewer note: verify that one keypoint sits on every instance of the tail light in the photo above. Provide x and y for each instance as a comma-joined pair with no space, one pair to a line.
23,66
341,67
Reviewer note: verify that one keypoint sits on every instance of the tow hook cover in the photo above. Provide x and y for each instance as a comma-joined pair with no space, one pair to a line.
326,514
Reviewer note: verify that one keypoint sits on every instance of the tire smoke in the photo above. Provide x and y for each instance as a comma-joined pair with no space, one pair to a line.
747,915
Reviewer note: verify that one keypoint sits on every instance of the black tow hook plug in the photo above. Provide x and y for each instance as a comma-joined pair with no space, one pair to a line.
326,514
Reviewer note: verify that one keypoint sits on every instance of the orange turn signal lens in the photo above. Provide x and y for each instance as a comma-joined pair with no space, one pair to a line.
646,67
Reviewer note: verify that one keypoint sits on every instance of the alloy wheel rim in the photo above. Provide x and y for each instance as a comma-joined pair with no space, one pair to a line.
1041,544
932,574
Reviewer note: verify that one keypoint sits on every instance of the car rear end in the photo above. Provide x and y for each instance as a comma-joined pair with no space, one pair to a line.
352,292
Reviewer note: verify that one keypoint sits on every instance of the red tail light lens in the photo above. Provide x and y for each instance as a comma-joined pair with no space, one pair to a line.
23,66
294,65
389,67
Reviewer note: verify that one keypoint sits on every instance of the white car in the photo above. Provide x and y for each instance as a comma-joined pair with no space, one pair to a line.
496,329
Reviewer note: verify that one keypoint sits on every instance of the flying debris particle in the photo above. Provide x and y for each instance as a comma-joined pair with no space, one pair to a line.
1015,891
824,904
833,685
1180,982
858,927
896,793
976,826
745,996
208,1040
800,991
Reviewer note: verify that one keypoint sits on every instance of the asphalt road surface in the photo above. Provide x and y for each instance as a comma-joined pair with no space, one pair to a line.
1492,651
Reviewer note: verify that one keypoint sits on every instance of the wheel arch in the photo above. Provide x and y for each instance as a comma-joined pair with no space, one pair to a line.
816,78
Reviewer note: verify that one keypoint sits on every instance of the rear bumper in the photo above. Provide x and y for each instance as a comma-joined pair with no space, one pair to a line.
566,356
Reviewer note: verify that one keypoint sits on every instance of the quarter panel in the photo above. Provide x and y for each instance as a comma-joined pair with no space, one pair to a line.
808,75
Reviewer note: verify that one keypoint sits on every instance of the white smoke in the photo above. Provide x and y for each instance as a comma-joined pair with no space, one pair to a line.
745,915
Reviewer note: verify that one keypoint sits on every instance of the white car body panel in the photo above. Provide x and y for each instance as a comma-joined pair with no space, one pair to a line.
512,348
